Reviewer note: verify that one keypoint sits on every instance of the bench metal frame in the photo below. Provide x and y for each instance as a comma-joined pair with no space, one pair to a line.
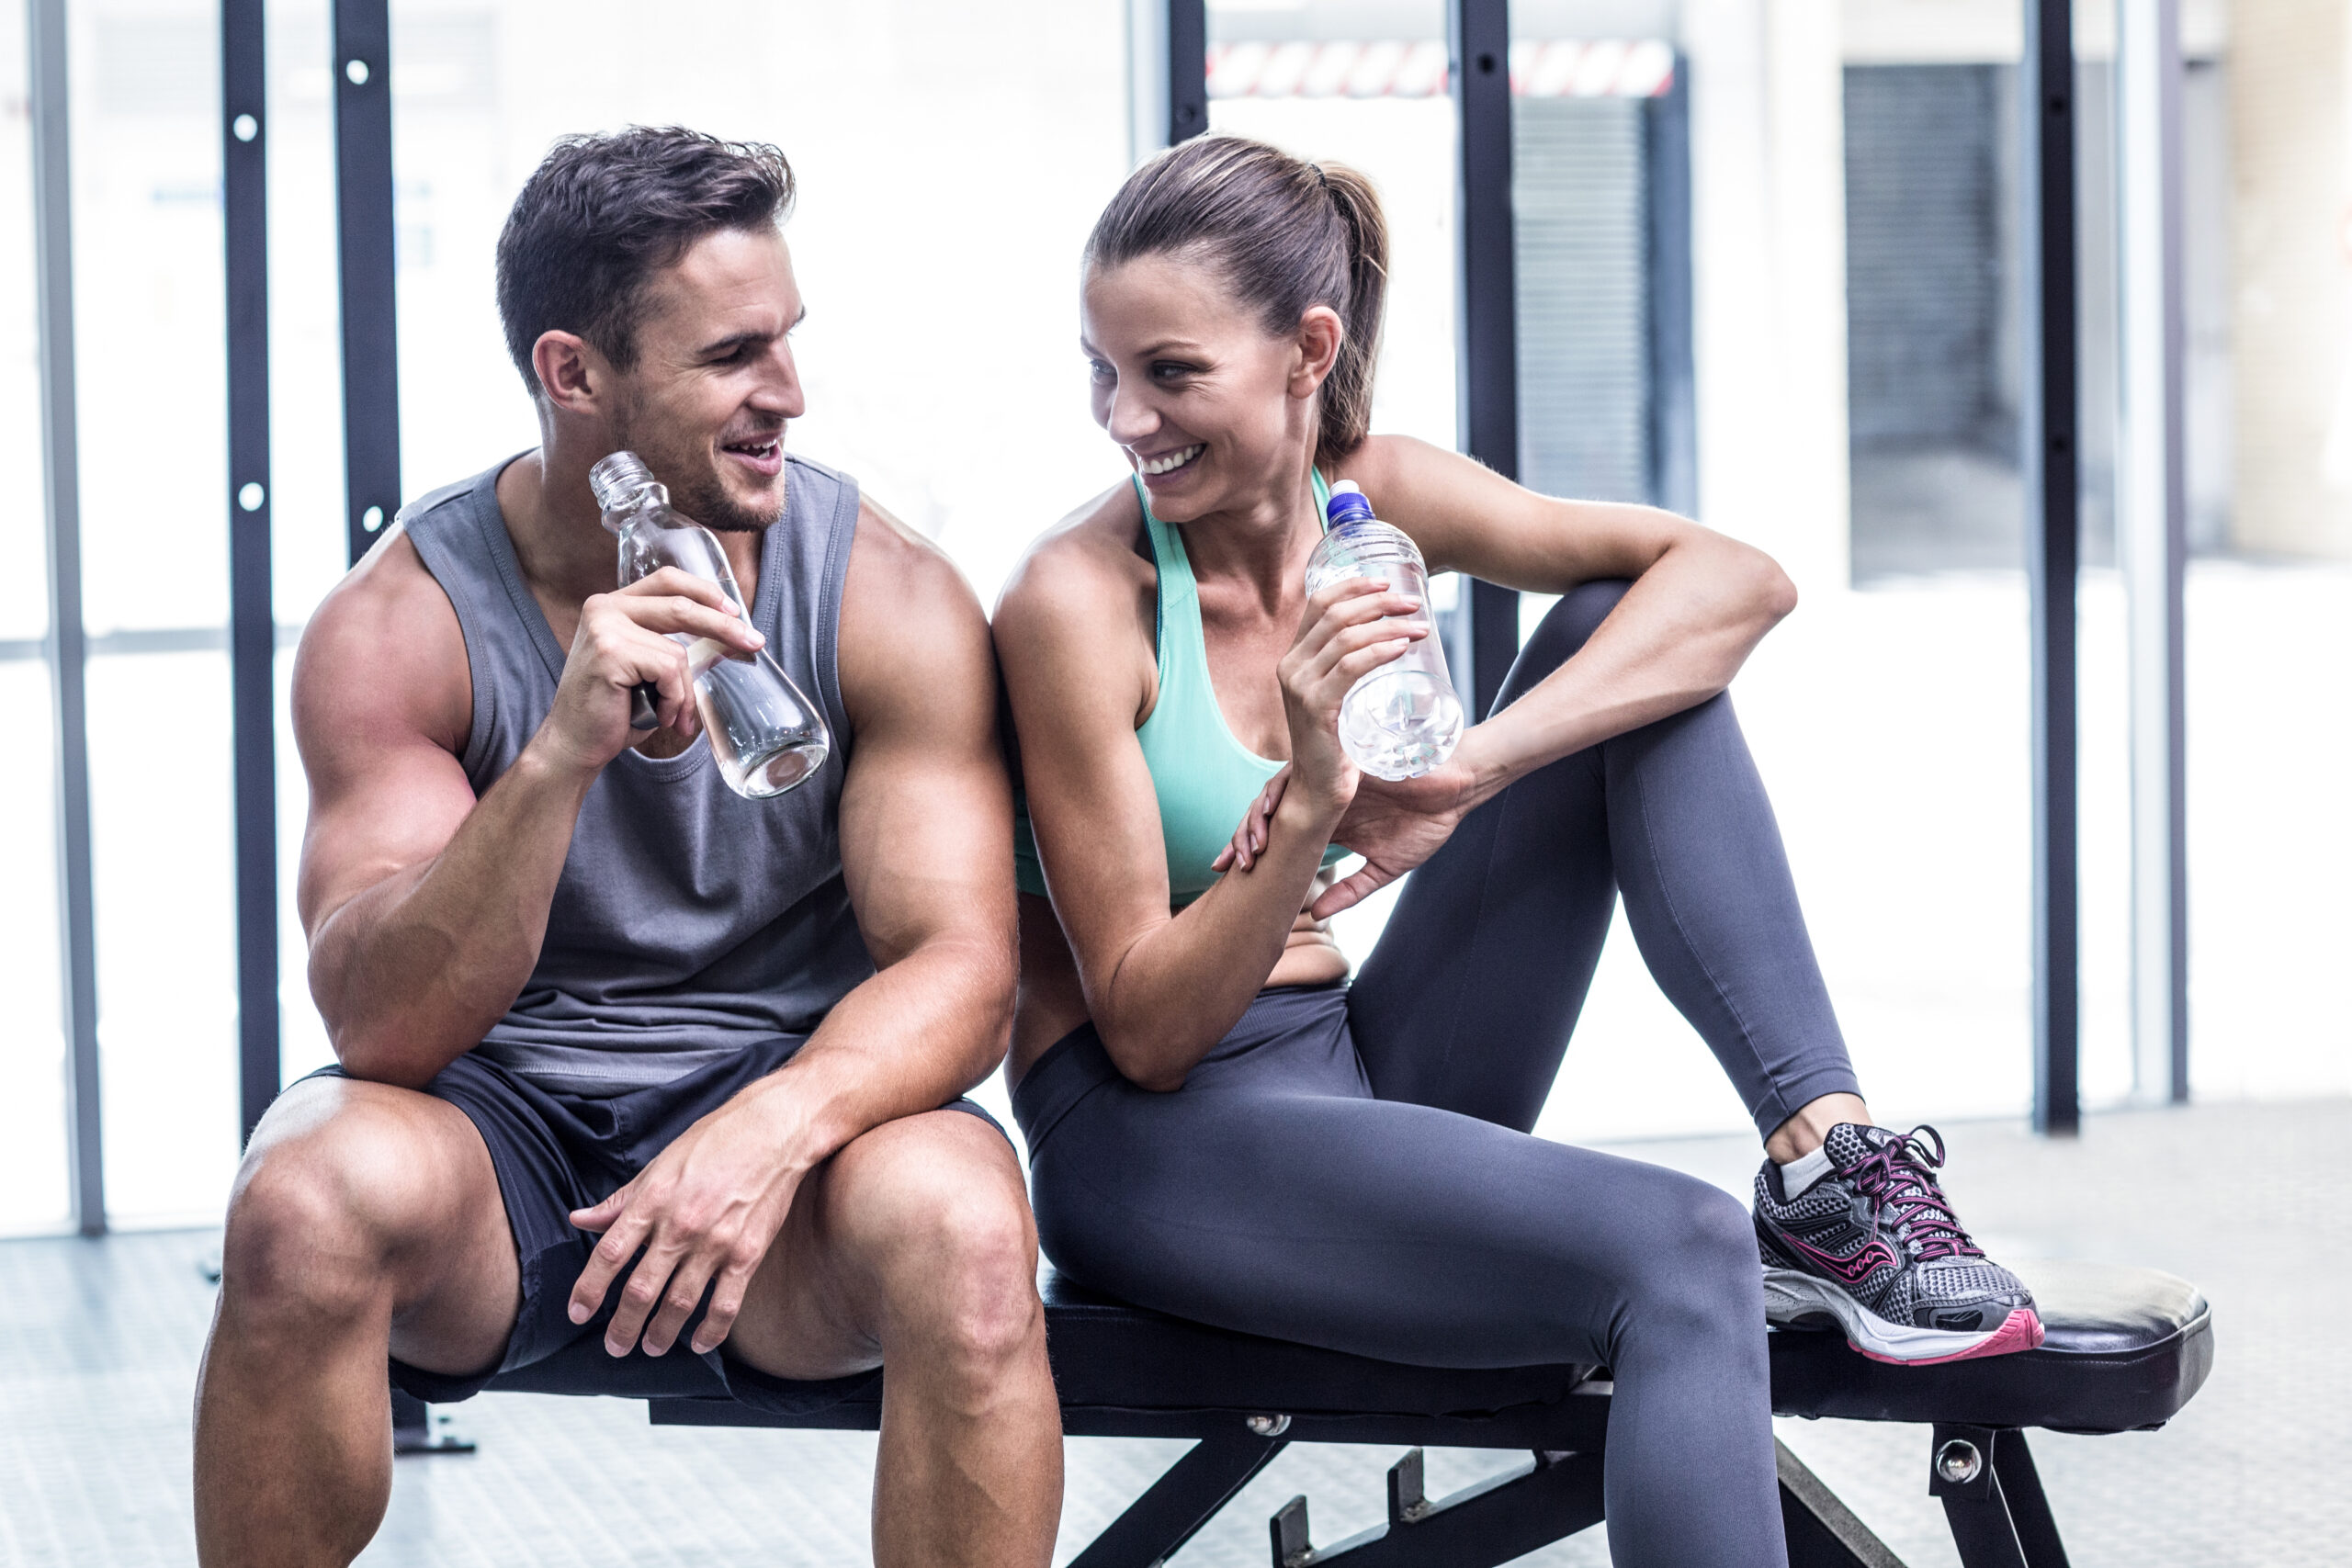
1985,1477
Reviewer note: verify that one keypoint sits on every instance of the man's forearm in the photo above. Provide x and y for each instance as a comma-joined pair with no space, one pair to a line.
912,1038
412,972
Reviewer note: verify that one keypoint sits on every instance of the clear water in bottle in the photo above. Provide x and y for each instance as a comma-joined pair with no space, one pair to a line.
764,733
1404,718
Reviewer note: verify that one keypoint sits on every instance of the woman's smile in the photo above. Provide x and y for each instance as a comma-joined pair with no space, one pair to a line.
1166,463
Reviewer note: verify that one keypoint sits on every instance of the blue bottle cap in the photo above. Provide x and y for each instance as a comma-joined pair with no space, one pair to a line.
1346,504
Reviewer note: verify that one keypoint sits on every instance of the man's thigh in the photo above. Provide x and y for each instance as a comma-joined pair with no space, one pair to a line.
911,1220
396,1183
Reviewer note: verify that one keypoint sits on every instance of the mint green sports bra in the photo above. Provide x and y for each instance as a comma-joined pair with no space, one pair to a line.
1206,779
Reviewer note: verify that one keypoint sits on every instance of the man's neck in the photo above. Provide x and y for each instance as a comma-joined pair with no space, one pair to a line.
561,542
559,539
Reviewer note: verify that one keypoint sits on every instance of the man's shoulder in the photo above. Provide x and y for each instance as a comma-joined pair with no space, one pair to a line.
465,495
385,643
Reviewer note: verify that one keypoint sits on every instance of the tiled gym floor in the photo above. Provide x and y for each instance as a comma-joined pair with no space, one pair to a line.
98,1344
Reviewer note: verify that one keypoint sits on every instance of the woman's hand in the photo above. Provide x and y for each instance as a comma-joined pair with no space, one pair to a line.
1347,632
1394,824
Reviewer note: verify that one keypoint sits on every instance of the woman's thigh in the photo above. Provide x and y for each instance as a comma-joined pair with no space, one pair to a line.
1467,1000
1384,1229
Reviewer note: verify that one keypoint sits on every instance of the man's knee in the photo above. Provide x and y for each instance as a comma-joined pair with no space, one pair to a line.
957,1251
329,1196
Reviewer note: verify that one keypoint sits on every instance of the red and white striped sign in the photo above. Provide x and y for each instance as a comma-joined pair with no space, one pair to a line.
1341,68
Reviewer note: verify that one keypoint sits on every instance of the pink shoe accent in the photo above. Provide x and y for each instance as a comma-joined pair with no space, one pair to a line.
2021,1330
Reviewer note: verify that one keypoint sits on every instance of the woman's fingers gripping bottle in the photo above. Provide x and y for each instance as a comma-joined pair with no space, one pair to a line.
1402,719
765,732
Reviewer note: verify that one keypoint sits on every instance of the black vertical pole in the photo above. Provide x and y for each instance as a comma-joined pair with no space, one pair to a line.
2046,97
1487,329
363,197
1188,69
252,620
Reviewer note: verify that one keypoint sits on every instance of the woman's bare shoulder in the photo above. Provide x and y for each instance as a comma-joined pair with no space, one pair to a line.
1386,463
1082,568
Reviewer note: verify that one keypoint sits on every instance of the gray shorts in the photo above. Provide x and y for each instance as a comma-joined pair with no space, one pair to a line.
555,1153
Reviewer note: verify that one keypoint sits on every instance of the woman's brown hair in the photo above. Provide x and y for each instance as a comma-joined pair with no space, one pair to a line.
1287,235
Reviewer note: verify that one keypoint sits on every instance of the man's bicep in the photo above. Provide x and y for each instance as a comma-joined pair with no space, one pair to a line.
385,795
926,815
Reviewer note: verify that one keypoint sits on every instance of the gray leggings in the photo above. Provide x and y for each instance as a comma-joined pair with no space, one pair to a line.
1352,1167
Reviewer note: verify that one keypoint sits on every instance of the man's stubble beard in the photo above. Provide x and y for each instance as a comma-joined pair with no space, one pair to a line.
695,490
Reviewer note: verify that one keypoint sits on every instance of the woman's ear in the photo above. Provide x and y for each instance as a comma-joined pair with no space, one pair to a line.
1321,333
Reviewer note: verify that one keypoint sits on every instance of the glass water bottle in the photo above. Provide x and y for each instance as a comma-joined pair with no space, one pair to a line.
765,732
1403,718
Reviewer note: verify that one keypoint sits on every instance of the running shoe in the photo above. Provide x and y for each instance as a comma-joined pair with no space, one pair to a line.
1874,1244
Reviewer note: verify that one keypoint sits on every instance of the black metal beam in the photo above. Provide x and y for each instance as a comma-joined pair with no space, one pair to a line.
363,199
2046,92
1188,69
1486,326
1495,1521
1189,1494
244,171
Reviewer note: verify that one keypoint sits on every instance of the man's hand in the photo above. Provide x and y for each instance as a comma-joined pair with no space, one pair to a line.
1394,826
707,1207
625,641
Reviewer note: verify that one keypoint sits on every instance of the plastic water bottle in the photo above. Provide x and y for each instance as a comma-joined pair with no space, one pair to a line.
765,732
1402,719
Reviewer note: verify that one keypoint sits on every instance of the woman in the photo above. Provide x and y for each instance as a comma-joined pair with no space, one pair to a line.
1220,1125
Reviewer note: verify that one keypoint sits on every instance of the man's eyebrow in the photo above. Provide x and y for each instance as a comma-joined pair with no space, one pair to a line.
718,348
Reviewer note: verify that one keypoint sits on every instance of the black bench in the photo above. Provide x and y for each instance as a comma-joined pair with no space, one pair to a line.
2127,1348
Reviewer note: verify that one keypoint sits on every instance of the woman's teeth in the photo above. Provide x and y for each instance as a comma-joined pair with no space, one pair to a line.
1172,462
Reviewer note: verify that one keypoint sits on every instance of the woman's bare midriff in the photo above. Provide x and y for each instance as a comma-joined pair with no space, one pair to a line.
1051,1002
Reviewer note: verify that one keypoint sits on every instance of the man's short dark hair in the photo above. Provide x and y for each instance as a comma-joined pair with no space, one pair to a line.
601,215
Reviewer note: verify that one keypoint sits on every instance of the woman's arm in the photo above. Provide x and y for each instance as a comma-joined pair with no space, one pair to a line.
1161,989
1698,604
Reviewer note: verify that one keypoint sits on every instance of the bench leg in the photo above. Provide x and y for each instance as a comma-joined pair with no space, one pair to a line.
1502,1517
2029,1504
1993,1499
1185,1497
1822,1532
413,1431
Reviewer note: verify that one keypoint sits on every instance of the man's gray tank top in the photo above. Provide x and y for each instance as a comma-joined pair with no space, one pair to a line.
688,922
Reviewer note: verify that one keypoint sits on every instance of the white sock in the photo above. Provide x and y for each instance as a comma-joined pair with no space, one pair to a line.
1804,1170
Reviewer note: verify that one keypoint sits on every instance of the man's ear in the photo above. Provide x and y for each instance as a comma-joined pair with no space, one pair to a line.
573,376
1321,333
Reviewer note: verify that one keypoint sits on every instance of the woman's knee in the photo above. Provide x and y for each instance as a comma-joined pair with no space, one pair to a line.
1702,1269
1565,628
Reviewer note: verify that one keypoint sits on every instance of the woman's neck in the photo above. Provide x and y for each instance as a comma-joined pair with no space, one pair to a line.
1264,542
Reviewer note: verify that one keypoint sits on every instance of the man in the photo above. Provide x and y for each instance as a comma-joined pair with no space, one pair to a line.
579,989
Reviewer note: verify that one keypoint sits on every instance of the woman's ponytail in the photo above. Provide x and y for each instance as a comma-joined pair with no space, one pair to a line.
1347,391
1288,235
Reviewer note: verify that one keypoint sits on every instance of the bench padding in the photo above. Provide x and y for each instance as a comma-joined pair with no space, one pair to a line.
2125,1349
